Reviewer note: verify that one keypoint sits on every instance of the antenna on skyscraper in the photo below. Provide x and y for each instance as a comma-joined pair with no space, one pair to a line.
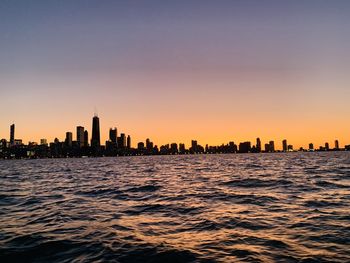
95,112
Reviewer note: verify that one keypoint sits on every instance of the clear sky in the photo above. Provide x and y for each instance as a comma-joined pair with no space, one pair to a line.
173,71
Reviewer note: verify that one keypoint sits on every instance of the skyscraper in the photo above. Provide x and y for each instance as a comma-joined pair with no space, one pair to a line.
86,138
311,146
95,139
272,146
128,142
285,145
122,140
245,147
69,139
336,144
194,146
149,144
12,134
113,135
327,146
258,145
80,136
267,147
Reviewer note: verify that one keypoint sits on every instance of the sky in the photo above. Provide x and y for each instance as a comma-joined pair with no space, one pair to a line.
172,71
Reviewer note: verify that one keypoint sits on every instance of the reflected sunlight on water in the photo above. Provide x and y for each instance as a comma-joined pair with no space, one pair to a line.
227,208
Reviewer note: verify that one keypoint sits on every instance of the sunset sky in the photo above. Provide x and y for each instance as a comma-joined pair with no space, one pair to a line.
172,71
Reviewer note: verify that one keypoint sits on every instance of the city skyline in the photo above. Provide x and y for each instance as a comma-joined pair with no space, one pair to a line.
82,139
184,70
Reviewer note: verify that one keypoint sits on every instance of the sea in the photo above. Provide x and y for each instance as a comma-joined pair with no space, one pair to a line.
281,207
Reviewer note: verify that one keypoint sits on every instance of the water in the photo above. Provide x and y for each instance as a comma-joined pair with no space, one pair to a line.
219,208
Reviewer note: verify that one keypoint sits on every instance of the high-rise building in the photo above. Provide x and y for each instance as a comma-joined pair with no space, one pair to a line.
128,142
174,148
194,146
69,139
326,146
43,142
95,139
311,146
245,147
285,145
122,140
80,136
113,135
149,145
86,138
12,134
258,145
272,146
267,147
140,146
182,148
336,143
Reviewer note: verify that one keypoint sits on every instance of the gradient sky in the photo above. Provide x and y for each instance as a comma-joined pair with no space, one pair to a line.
173,71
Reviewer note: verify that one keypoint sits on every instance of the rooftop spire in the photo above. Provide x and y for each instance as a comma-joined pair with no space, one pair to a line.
95,112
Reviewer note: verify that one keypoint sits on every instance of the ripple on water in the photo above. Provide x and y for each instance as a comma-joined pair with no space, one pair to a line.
203,208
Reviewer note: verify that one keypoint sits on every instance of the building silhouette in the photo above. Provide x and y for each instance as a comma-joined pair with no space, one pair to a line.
272,146
311,146
122,141
80,136
258,145
86,138
267,147
194,146
285,145
95,138
141,146
326,146
174,148
69,139
336,144
182,148
12,135
128,142
113,135
245,147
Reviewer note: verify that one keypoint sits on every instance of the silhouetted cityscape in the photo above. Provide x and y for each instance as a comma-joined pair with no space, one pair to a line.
121,146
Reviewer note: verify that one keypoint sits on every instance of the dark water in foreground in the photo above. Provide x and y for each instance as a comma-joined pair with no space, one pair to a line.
222,208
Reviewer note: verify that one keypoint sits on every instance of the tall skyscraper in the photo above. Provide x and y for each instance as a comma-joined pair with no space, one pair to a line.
272,146
80,136
128,142
12,134
122,140
149,144
95,139
258,145
194,146
113,135
86,138
182,148
69,139
311,146
336,143
326,146
267,147
285,145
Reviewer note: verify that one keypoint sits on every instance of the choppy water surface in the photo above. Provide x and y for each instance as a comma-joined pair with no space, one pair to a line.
222,208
